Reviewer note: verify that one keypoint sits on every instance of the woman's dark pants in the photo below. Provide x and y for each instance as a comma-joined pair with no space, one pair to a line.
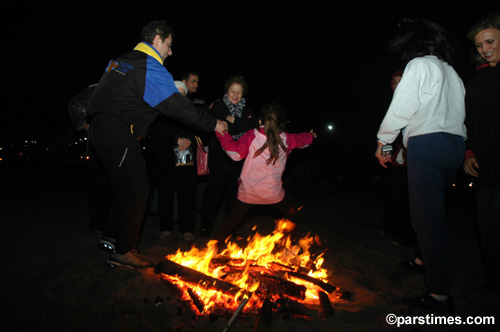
433,162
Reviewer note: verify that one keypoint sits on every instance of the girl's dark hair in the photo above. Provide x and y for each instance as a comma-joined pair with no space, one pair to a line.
422,37
272,116
240,79
161,28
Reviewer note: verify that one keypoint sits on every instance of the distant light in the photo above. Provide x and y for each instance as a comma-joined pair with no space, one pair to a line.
330,127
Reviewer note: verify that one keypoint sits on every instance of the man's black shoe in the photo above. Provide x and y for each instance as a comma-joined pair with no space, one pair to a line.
107,243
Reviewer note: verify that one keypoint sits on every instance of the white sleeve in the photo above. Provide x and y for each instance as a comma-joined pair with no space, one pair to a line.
405,103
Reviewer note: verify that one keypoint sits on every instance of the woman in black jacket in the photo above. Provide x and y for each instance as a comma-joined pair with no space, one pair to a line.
224,172
482,158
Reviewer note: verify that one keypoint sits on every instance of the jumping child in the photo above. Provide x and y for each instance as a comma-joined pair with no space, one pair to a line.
266,150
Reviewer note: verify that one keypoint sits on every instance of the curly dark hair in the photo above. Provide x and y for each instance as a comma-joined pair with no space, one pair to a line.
422,37
240,79
161,28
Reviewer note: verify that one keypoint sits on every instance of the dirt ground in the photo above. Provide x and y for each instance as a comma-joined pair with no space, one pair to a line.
54,278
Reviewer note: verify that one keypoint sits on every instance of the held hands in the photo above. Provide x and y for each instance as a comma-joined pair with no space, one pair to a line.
231,118
470,166
86,126
313,133
381,159
221,127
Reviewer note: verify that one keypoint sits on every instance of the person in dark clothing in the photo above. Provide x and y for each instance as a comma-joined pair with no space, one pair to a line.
482,157
132,92
191,79
100,193
175,173
224,172
78,107
396,222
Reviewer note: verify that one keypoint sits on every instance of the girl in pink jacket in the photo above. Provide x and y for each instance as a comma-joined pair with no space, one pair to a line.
265,151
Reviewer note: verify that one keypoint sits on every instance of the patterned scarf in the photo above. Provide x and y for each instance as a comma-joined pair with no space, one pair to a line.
235,109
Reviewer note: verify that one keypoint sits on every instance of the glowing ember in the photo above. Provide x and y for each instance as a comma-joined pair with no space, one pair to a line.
269,267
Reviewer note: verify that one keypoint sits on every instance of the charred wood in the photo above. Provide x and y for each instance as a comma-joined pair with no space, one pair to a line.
225,260
294,308
194,277
271,285
265,316
196,300
326,308
323,285
236,314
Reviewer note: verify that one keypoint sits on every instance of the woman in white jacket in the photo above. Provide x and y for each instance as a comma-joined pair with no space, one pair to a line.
428,107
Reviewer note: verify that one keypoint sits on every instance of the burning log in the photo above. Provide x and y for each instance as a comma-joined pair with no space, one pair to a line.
252,270
271,282
270,267
327,287
196,300
265,314
271,285
198,278
224,260
326,308
236,314
278,266
234,265
291,307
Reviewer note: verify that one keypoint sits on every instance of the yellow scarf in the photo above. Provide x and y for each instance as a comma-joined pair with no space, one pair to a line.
149,50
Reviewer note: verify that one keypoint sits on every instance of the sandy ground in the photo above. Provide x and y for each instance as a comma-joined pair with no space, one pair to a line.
54,278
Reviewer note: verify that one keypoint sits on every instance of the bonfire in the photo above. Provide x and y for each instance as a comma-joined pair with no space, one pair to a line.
268,274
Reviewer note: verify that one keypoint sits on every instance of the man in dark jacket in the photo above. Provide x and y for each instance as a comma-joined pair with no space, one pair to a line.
100,193
133,91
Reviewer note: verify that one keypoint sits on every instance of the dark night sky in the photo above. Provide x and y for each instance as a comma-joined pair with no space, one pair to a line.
324,61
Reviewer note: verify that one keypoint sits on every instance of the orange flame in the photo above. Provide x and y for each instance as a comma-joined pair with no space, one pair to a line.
273,253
